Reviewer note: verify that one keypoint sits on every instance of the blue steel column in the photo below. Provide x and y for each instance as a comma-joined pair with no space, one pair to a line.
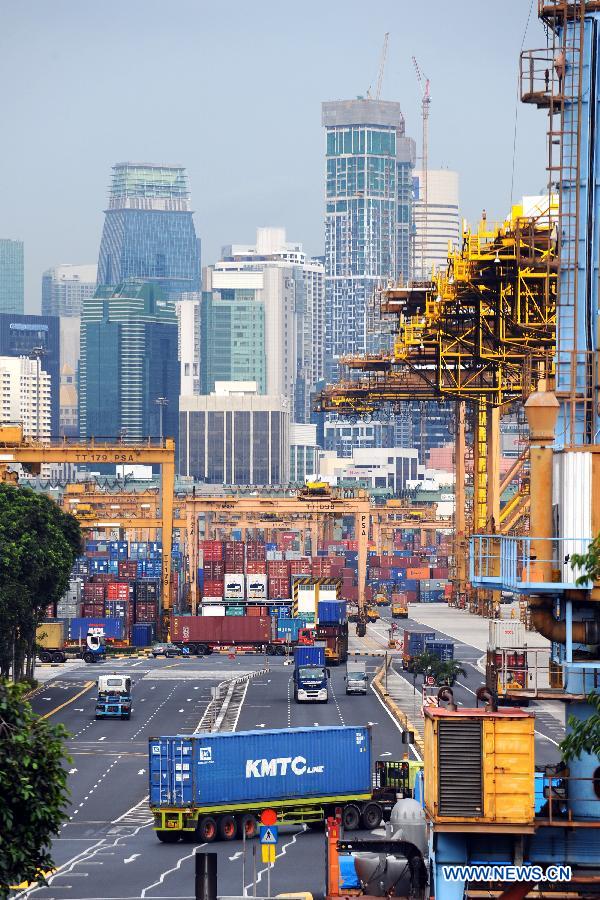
577,345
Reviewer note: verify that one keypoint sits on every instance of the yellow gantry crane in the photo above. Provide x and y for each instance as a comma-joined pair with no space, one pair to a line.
482,333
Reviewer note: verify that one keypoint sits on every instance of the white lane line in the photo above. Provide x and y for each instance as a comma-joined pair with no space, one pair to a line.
174,869
336,703
397,724
289,701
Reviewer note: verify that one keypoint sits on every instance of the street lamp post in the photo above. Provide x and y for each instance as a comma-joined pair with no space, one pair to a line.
161,402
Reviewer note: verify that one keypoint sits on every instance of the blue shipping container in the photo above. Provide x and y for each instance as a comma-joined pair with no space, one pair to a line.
142,634
309,656
443,650
414,641
260,766
113,628
332,612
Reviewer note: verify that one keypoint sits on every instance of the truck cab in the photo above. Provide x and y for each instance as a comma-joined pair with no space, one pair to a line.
311,676
399,610
114,697
356,678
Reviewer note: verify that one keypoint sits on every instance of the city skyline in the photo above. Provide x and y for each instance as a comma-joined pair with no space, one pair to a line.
287,173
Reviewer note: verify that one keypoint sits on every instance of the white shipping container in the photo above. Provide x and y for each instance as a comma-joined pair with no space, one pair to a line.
213,609
506,633
234,587
572,489
256,586
307,598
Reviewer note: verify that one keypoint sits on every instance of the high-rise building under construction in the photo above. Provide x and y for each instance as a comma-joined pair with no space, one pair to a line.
368,219
149,230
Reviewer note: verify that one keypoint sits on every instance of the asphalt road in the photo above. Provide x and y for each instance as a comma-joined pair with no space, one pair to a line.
549,730
108,849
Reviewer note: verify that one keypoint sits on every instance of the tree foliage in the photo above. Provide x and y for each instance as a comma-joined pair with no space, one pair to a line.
33,793
444,672
589,562
38,546
584,736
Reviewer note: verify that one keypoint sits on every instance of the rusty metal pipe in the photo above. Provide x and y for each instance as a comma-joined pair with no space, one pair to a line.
586,632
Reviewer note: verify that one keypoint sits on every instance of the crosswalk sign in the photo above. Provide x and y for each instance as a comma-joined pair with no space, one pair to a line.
268,853
269,834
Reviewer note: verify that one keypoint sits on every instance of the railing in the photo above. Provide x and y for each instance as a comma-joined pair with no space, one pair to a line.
538,77
568,801
516,564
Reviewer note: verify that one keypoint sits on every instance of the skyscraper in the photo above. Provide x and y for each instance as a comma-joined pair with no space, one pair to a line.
36,337
368,217
232,339
149,230
65,287
25,395
439,225
128,361
12,281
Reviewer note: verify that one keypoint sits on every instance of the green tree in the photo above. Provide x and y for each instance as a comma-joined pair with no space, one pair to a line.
38,546
584,736
589,562
33,793
448,671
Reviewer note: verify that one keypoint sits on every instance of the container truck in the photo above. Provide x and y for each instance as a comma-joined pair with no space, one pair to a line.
335,639
399,606
216,785
50,638
414,645
356,677
114,697
203,634
310,675
506,661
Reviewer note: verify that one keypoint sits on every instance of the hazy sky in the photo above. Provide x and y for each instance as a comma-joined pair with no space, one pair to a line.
232,90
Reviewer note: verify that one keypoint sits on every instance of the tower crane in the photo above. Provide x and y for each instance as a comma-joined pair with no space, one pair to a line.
381,68
425,102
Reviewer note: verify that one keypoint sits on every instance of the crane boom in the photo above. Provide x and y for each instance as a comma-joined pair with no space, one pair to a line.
425,101
382,64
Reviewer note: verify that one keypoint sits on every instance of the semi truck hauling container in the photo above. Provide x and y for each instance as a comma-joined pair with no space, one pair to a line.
204,634
209,786
50,638
310,675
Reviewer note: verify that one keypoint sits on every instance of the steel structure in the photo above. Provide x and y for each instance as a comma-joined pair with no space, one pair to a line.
481,333
15,449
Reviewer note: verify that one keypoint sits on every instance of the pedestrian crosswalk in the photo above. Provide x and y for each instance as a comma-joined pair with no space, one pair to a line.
194,675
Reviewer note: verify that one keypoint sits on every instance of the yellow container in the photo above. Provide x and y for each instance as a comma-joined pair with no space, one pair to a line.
50,635
479,766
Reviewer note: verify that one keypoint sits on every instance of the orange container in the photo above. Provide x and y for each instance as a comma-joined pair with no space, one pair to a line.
417,573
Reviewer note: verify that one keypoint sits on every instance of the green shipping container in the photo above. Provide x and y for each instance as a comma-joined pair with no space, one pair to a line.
235,611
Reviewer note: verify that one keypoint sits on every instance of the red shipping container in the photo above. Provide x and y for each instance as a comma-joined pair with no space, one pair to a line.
117,590
214,570
256,567
255,611
93,592
352,545
213,588
92,610
368,592
350,593
279,587
278,568
439,572
300,567
127,568
374,560
146,612
411,596
255,551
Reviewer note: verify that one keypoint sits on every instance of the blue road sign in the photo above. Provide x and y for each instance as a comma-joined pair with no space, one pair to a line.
269,834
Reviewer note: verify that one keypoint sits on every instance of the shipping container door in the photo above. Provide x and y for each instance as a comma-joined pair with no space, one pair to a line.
171,772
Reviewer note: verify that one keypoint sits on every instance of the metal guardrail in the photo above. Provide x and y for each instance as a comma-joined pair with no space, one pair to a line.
514,563
562,794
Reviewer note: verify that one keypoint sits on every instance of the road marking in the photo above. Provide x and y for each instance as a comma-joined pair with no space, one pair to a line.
174,869
88,685
335,699
72,771
387,753
235,856
102,738
289,699
396,723
278,856
141,772
131,858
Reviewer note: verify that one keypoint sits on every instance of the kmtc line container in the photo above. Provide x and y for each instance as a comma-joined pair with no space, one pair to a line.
257,768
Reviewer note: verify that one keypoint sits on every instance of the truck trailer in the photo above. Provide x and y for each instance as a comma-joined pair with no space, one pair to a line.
54,647
114,697
216,785
202,635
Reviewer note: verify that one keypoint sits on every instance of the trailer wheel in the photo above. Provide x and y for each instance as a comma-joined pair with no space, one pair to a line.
207,829
228,828
88,657
45,657
351,817
192,649
58,657
168,837
371,816
202,650
248,825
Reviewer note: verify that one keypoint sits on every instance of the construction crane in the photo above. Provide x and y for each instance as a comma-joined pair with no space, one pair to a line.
381,68
425,102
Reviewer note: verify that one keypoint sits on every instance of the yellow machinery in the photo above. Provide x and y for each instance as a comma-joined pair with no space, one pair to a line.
481,333
14,448
479,769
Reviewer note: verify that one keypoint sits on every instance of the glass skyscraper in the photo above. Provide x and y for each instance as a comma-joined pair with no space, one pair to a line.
12,291
149,230
128,360
232,339
368,219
